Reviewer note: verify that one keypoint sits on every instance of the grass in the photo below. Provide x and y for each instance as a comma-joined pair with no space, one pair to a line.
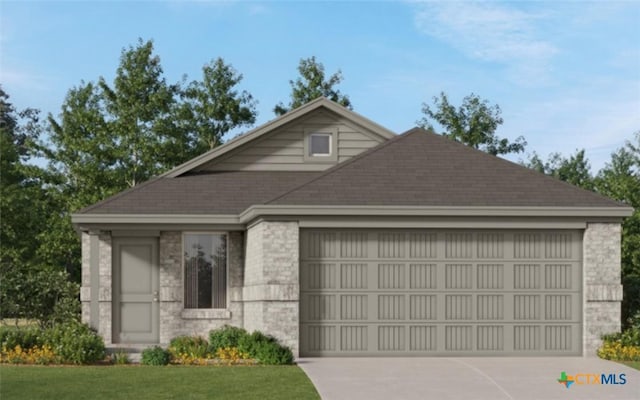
144,382
632,364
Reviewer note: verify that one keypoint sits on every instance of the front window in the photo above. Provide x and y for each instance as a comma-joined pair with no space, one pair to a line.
205,270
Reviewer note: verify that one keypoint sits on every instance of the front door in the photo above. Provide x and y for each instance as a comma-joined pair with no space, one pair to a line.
135,290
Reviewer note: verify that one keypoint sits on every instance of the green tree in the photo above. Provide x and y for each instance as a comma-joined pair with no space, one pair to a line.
214,106
29,288
620,180
474,123
575,170
21,197
311,84
140,104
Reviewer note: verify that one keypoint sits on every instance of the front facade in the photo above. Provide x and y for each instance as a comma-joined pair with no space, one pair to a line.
339,238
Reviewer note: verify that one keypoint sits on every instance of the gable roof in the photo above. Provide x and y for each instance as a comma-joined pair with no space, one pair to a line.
264,129
420,168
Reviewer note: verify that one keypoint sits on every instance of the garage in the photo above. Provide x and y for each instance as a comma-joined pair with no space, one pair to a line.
440,292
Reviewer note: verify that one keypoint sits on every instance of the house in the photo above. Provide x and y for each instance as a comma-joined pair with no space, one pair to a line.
340,238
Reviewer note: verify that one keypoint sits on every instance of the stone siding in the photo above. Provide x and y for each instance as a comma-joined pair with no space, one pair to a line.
271,286
602,288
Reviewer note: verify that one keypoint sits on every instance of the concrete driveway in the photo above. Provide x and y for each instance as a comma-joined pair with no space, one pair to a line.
468,378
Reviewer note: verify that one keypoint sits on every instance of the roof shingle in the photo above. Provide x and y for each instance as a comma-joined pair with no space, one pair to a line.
420,168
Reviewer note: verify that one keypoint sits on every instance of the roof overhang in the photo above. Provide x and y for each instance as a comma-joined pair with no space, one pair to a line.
359,216
427,211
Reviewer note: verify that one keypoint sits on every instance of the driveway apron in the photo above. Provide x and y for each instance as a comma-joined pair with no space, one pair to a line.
470,378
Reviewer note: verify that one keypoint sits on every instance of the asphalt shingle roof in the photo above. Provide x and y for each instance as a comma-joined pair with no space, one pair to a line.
205,193
420,168
417,168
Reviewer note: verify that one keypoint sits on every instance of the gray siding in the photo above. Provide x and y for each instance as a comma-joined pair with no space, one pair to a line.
283,149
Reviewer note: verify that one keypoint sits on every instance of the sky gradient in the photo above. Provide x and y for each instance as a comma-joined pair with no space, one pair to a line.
566,74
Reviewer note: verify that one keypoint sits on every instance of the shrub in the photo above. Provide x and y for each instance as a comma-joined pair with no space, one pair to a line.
227,336
120,357
623,346
38,292
75,343
194,346
25,337
189,350
36,355
265,349
231,355
155,355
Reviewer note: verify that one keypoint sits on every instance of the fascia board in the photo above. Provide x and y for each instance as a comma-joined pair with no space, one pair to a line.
267,210
197,219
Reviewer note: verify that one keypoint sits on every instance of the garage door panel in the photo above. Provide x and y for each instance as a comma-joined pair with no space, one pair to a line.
436,292
354,276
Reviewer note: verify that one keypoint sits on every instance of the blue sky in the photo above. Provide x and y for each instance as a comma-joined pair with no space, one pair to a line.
566,74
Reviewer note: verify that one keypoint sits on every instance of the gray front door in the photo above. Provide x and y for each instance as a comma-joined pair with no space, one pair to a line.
135,290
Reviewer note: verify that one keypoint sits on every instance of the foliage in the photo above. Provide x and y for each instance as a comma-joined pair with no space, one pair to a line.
120,383
575,170
75,343
227,336
34,355
312,84
189,350
474,123
265,349
25,337
213,106
71,342
155,355
42,293
619,352
120,357
231,355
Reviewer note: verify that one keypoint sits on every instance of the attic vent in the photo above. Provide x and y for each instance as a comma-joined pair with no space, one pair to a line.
320,144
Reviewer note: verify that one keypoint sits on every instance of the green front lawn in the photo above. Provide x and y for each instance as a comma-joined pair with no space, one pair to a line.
143,382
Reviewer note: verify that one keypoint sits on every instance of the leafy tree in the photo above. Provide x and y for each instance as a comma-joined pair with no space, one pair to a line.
575,170
620,180
29,288
312,84
21,198
214,106
140,121
474,123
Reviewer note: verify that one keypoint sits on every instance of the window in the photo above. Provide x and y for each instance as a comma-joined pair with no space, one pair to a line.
320,144
205,270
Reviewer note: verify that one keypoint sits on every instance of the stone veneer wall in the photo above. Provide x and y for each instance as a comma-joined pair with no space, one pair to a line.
271,284
174,320
602,287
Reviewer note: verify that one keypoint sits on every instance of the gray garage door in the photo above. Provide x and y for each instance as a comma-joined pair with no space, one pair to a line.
370,292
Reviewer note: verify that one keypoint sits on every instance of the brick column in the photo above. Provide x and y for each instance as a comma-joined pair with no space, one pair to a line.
602,288
271,284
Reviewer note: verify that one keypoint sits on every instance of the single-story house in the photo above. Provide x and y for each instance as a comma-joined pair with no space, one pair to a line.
341,238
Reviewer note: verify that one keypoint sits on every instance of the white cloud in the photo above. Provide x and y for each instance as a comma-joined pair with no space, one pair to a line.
492,32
